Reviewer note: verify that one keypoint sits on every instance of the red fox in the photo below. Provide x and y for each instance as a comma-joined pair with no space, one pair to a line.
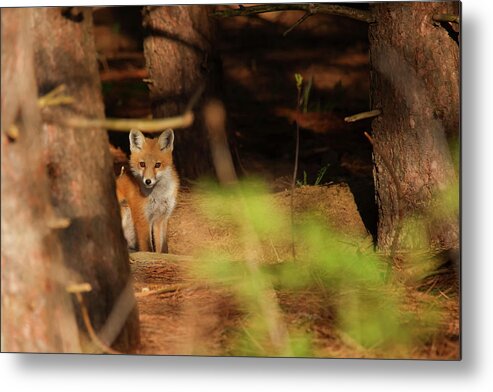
147,195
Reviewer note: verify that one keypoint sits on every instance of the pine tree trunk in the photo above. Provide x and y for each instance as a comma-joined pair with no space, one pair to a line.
80,168
415,82
37,313
180,58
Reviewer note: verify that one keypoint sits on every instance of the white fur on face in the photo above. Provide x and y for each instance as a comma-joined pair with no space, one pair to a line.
137,171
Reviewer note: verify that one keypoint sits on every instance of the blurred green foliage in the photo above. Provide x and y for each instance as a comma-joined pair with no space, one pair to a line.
365,309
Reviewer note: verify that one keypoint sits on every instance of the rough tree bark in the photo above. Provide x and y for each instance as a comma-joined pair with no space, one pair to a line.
80,168
415,82
37,314
180,57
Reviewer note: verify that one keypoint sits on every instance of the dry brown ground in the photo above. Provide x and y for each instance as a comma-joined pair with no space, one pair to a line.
193,318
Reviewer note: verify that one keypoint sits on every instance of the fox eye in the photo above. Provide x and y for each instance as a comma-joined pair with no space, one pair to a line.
158,164
142,164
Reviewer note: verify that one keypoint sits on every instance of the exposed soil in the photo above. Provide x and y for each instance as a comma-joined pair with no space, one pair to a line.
259,92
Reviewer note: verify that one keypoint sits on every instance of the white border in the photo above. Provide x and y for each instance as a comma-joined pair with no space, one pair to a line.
136,374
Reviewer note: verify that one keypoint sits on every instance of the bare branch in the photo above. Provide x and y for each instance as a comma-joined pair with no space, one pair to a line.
78,288
446,18
56,98
298,22
331,9
13,132
58,223
125,124
116,320
363,116
90,330
215,122
299,102
169,289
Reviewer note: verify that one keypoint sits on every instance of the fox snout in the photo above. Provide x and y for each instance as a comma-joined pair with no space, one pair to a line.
149,182
149,176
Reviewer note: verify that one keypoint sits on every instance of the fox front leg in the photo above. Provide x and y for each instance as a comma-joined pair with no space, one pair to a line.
160,236
144,238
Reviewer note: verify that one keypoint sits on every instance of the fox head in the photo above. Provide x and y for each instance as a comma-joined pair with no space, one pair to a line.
150,159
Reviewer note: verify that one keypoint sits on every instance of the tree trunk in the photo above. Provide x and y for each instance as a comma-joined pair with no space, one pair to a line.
415,82
80,168
179,51
37,314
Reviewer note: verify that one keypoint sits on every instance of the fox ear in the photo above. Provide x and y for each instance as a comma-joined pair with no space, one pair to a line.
166,139
137,140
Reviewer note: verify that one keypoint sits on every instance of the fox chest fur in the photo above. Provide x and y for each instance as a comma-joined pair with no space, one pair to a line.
161,199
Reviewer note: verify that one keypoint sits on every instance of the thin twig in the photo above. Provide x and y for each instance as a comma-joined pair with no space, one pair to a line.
118,316
56,101
58,223
446,18
293,185
168,289
13,132
87,323
215,122
443,294
126,124
275,251
55,97
184,120
298,22
331,9
363,116
252,338
78,288
295,172
56,91
195,97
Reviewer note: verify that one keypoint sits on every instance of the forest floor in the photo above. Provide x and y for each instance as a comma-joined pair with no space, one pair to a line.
182,315
197,319
259,91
